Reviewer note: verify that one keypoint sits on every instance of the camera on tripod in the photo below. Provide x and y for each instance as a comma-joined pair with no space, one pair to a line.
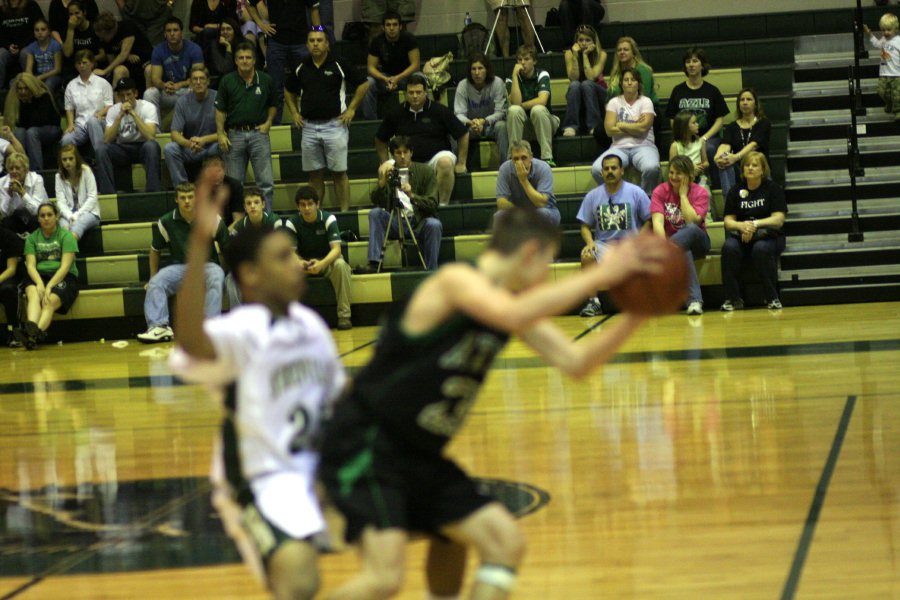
396,178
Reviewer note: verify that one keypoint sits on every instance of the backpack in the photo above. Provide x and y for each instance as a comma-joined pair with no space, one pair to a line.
474,39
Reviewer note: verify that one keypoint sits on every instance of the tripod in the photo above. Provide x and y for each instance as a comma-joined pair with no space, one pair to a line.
513,4
396,212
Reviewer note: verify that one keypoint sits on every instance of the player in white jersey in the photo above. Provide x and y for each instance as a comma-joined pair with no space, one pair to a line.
278,365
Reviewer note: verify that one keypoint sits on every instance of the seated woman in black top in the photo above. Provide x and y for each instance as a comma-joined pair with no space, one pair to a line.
220,58
33,116
754,217
206,21
748,133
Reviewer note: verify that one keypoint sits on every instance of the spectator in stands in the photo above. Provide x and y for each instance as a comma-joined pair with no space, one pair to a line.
749,132
372,13
17,19
529,114
889,69
393,57
170,67
679,213
206,20
481,103
150,16
629,122
573,13
319,247
325,110
31,114
124,49
249,29
628,56
194,135
686,142
417,199
9,143
587,88
501,11
286,28
52,283
754,217
701,98
245,109
43,57
59,16
255,215
526,182
130,138
172,232
215,166
614,210
221,51
79,35
88,97
76,193
429,125
12,247
21,193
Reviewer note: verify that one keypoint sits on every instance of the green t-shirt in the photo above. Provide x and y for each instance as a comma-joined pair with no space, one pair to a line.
530,86
314,239
269,222
172,232
48,251
245,104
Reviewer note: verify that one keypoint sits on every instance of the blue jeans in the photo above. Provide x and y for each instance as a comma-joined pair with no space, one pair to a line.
176,156
166,283
34,139
695,242
728,178
279,58
712,144
252,146
85,222
588,95
370,101
645,160
428,234
91,131
110,155
765,258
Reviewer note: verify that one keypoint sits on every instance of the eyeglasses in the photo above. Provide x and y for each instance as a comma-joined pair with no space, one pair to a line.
320,28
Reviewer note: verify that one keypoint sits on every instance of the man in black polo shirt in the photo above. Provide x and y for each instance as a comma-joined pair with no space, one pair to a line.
393,56
324,114
286,29
430,125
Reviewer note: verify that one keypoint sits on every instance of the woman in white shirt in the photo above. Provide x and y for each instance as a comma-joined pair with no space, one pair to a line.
629,122
76,193
21,193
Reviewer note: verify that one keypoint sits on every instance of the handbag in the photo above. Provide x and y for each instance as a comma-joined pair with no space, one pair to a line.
437,71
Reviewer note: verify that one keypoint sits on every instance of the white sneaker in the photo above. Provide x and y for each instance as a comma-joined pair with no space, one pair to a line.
569,132
591,309
157,334
695,308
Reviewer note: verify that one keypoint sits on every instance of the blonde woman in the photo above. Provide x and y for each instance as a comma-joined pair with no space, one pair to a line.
33,116
76,193
587,88
628,56
21,193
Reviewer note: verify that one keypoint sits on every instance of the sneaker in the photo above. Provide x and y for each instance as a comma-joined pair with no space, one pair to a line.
774,304
551,162
22,340
569,132
695,308
732,305
344,324
592,309
156,334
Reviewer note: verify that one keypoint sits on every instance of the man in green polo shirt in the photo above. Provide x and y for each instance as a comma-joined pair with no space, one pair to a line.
319,246
172,232
245,109
529,115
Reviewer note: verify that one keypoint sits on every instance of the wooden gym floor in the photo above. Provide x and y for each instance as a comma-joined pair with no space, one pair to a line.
752,455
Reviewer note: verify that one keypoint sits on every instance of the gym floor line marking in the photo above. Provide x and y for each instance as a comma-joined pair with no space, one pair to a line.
351,351
812,518
787,350
593,327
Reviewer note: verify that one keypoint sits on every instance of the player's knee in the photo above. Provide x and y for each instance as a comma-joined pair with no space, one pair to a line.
296,586
386,583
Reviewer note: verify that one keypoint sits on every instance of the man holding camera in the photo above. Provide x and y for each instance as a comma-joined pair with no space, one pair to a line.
410,189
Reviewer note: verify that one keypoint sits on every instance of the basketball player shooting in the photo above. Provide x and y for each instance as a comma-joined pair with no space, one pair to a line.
382,458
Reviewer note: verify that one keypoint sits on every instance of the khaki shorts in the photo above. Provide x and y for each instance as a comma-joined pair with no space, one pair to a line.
495,4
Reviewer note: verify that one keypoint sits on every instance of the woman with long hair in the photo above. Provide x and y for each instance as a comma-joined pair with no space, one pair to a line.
52,284
33,116
749,132
76,193
628,56
587,88
481,103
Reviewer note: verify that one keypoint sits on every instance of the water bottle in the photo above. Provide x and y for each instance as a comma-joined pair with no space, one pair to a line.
468,19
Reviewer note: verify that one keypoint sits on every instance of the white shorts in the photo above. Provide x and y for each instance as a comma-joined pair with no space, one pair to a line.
442,154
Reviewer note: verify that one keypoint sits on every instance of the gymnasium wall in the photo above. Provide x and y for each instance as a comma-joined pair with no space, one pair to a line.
435,16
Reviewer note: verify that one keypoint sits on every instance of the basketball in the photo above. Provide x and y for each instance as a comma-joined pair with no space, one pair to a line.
658,294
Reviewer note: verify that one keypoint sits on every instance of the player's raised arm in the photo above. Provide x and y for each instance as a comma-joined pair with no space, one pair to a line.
189,310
